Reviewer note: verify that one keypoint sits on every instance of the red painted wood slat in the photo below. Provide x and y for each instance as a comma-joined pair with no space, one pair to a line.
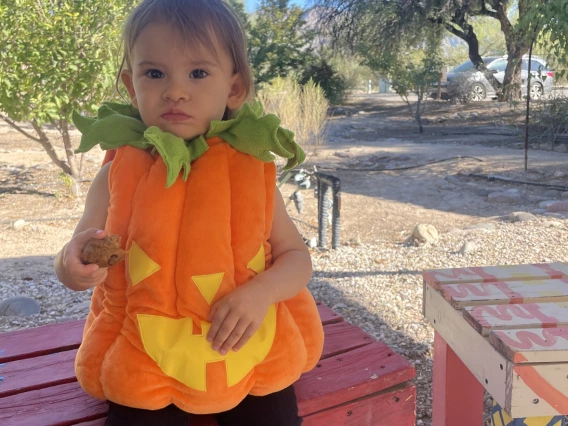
393,407
360,372
36,373
328,316
67,335
345,377
49,370
343,337
54,406
40,340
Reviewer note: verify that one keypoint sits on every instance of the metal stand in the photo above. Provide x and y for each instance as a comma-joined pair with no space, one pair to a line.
325,185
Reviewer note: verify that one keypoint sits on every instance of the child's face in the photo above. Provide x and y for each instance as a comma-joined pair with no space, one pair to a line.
180,88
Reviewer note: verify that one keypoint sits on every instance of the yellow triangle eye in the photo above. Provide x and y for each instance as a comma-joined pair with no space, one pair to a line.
208,284
257,264
140,266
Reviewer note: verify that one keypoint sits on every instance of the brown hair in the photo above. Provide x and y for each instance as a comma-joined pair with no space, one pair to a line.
198,21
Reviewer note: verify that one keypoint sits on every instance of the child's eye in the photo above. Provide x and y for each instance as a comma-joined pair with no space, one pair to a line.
198,74
154,74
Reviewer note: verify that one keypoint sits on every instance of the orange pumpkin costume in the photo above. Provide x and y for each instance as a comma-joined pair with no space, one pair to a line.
189,245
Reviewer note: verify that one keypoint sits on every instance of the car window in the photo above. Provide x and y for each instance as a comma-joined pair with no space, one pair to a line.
536,66
466,66
499,65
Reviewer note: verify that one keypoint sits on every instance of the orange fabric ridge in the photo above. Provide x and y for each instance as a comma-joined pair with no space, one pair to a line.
206,231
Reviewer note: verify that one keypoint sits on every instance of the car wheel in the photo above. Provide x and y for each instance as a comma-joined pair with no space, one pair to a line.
536,91
477,92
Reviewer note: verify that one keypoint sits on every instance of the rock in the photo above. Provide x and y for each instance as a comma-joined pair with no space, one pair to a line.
483,192
468,247
521,217
559,206
312,242
561,148
545,204
425,233
551,193
512,191
539,211
531,198
477,170
19,224
452,179
564,195
504,197
487,226
20,306
559,174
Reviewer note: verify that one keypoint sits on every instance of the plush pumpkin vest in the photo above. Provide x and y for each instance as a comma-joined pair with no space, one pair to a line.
189,245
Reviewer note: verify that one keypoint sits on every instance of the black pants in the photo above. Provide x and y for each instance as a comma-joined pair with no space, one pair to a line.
276,409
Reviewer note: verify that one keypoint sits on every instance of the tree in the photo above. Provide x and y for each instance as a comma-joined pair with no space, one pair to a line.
56,57
552,15
279,42
239,8
411,71
408,19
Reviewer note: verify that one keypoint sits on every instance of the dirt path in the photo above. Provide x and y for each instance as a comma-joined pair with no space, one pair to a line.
387,204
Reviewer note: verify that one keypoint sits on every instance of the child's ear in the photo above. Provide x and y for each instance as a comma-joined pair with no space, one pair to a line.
238,93
126,77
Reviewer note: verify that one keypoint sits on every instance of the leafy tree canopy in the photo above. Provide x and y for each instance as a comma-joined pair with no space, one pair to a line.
56,57
279,40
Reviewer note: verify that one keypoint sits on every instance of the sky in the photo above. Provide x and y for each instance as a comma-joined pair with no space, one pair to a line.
251,5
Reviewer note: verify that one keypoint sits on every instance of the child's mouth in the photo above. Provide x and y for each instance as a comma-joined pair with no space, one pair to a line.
175,117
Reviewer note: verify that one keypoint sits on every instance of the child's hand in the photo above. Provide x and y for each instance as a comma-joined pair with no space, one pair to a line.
237,316
80,275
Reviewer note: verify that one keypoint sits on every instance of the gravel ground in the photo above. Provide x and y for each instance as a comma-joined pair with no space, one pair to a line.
379,287
375,286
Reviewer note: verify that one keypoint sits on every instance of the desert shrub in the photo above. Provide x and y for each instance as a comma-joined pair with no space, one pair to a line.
302,109
550,119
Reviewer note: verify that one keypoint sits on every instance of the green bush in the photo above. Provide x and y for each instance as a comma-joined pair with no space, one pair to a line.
333,84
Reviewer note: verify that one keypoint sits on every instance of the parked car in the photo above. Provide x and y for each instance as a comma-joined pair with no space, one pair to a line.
466,83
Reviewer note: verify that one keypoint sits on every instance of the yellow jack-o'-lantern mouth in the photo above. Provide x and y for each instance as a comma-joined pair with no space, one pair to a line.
179,352
184,355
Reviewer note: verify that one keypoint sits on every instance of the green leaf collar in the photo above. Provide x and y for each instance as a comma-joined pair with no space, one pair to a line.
251,132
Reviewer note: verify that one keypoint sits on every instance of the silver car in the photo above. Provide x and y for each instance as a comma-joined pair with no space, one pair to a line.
466,83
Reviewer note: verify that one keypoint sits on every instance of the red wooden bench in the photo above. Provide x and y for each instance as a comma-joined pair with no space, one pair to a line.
358,382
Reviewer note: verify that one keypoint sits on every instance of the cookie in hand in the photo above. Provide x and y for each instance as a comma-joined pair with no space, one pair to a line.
104,252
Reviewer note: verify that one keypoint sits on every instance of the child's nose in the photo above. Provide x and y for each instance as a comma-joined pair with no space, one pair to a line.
176,91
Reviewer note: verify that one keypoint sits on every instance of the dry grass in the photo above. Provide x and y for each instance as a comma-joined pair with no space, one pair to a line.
302,109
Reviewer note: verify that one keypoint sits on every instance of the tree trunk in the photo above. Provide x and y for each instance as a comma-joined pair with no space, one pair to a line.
64,128
474,56
517,45
45,142
468,35
512,80
418,115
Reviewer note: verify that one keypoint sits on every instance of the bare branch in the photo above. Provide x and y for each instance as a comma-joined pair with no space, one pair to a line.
18,128
48,146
